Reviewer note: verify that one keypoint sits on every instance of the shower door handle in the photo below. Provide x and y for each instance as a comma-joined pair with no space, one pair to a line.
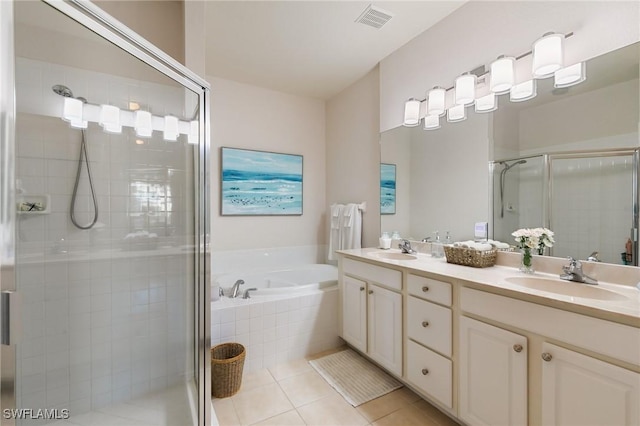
9,317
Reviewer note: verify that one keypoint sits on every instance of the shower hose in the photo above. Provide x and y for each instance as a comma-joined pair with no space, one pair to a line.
83,153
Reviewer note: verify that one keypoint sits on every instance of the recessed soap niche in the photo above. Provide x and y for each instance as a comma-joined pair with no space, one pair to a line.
33,204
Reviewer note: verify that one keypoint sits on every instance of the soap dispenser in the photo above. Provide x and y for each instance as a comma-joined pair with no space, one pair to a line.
436,247
447,239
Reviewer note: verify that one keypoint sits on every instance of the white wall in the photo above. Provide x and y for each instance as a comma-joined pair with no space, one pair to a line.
250,117
353,151
478,32
450,181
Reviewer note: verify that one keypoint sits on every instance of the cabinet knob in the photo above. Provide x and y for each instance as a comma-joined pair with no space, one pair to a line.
361,288
425,289
425,324
370,291
425,371
517,348
546,356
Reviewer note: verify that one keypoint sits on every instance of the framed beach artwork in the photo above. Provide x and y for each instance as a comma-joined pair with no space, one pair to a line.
387,188
257,183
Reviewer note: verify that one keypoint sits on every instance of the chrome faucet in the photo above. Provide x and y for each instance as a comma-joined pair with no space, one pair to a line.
405,246
236,288
573,272
246,295
593,257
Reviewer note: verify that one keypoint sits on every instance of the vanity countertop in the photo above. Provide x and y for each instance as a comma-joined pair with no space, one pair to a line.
624,309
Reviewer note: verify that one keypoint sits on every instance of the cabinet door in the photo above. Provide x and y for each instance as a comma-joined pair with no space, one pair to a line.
354,312
580,390
385,328
493,375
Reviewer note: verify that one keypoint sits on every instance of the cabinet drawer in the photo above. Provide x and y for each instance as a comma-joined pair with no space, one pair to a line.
387,277
430,372
429,324
430,289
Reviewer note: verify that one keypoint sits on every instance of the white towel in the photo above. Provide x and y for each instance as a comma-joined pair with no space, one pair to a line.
352,227
335,235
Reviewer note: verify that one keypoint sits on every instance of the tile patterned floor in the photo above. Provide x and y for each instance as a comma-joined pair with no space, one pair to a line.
293,394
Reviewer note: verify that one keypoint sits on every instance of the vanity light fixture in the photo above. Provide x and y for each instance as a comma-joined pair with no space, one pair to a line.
486,103
143,124
547,54
523,91
456,113
431,122
568,76
72,113
110,119
435,101
171,128
412,112
465,89
502,74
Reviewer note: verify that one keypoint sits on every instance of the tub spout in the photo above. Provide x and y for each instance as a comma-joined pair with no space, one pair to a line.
236,288
246,295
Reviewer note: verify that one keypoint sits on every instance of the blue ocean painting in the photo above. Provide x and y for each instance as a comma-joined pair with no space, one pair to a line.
261,183
387,188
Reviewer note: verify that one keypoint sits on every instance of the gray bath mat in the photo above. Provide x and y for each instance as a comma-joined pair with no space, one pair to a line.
355,378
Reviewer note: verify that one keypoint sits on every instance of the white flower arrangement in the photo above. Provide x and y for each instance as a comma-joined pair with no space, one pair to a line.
534,238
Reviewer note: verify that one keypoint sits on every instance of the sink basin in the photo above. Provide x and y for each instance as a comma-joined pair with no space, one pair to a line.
566,288
390,255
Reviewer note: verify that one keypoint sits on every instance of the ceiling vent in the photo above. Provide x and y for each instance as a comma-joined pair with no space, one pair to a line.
374,17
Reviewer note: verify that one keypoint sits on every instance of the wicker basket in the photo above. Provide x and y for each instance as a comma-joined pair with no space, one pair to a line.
227,361
470,257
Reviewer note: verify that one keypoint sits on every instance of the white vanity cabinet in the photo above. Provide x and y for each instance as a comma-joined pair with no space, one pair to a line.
492,376
580,390
576,389
429,337
372,312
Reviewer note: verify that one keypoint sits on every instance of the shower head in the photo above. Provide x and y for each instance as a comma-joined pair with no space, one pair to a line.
61,90
64,91
508,166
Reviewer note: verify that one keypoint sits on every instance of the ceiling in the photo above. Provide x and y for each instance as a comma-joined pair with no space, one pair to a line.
308,48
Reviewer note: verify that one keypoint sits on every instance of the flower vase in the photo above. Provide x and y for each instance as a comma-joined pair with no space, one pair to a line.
526,261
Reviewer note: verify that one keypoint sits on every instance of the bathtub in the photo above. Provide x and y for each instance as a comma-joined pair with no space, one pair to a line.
293,314
273,282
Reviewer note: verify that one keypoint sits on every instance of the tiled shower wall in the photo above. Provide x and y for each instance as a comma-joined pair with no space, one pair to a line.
105,319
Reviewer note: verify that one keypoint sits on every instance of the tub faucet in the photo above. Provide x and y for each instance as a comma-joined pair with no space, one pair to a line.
236,288
573,272
246,295
405,246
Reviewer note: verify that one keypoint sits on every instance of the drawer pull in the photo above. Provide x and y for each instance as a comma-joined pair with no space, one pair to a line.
425,324
361,288
425,289
370,291
425,371
546,356
517,348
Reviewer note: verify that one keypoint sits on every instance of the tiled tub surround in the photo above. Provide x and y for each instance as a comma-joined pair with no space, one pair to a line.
104,320
275,329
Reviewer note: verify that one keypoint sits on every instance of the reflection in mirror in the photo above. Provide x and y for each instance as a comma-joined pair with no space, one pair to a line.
566,160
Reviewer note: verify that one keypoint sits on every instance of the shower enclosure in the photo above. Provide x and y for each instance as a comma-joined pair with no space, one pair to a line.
103,223
588,198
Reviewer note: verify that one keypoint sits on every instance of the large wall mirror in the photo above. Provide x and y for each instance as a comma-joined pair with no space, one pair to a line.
567,160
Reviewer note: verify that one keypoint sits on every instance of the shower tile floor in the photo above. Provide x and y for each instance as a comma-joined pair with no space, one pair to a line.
169,407
295,394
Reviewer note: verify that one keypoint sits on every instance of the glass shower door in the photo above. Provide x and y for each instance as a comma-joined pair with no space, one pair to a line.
105,208
592,205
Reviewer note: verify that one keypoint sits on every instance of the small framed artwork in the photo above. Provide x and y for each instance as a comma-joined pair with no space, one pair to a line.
387,188
260,183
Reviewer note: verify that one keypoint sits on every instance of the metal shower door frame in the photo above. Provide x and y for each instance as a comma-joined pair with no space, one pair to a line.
96,20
